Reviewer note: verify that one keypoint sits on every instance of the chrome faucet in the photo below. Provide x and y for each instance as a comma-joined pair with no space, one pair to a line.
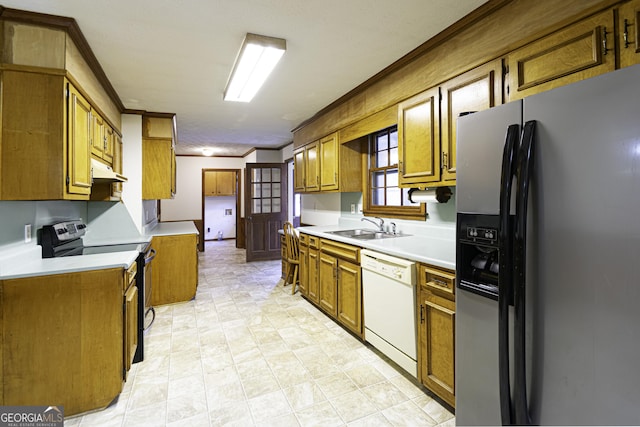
393,227
380,226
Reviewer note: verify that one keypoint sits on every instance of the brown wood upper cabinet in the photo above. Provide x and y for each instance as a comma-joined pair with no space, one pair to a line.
158,157
327,165
102,138
582,50
475,90
219,183
628,22
44,146
427,124
306,165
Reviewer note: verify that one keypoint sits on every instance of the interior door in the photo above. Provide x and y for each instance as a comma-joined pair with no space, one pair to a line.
266,209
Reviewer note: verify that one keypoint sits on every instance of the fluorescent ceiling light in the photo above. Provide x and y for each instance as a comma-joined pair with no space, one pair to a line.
207,151
257,58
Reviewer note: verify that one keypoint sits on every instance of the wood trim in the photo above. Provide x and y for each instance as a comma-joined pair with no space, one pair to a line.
71,27
477,33
481,12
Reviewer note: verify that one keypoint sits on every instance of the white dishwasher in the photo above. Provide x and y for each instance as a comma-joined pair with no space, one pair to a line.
389,305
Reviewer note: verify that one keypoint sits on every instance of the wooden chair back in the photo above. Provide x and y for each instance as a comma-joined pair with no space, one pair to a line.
293,242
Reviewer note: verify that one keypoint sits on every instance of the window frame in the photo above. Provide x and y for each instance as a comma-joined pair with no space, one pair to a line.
418,212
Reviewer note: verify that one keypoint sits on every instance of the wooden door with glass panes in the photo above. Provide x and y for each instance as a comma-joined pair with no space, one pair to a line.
265,209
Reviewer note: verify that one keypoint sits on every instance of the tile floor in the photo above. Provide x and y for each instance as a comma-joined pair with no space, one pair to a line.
245,352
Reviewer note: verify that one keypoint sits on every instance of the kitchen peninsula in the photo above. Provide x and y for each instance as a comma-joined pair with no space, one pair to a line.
69,323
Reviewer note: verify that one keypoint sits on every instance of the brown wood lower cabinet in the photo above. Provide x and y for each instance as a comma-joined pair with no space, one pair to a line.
63,339
330,279
130,317
175,269
436,331
309,267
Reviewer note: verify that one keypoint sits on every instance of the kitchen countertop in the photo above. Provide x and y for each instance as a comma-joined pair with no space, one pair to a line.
26,260
173,228
71,264
429,250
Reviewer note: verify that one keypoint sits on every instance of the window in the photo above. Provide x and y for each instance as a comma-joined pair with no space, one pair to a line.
384,196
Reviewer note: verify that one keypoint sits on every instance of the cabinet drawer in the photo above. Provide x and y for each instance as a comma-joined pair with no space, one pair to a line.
348,252
314,242
438,280
130,275
304,239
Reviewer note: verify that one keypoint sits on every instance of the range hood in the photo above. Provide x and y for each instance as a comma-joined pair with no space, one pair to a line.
103,173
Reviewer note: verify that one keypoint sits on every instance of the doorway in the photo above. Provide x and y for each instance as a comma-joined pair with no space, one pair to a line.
220,204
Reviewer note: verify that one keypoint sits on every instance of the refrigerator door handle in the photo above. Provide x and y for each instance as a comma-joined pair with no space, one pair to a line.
505,277
524,174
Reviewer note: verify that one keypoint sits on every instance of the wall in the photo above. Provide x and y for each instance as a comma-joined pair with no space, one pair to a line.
132,167
215,217
320,209
187,204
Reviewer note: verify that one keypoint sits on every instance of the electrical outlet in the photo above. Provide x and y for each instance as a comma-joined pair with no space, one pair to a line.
27,233
353,208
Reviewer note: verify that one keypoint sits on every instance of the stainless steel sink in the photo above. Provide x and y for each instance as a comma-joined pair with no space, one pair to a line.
365,234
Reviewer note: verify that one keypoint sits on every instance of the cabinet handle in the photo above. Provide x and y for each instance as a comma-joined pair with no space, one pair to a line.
626,33
440,283
335,176
444,161
317,179
400,167
604,41
421,314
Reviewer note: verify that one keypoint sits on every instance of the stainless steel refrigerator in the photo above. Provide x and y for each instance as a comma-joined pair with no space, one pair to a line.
548,258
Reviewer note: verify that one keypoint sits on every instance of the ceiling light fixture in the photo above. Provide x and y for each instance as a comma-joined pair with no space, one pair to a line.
257,58
207,151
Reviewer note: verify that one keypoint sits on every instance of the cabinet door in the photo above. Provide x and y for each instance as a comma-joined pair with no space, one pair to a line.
174,269
419,138
437,344
117,164
97,134
225,183
312,167
329,162
628,21
109,143
130,326
475,90
157,168
174,172
79,168
304,270
328,273
582,50
298,171
313,277
210,183
350,296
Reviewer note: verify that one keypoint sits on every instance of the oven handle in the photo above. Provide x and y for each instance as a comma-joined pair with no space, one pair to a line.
149,256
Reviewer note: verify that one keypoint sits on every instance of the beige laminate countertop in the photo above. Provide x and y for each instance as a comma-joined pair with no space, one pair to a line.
429,250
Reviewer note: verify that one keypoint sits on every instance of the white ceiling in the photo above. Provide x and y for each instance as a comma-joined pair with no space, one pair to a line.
176,55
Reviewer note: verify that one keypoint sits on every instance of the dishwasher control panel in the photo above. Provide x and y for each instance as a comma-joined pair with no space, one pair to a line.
398,269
